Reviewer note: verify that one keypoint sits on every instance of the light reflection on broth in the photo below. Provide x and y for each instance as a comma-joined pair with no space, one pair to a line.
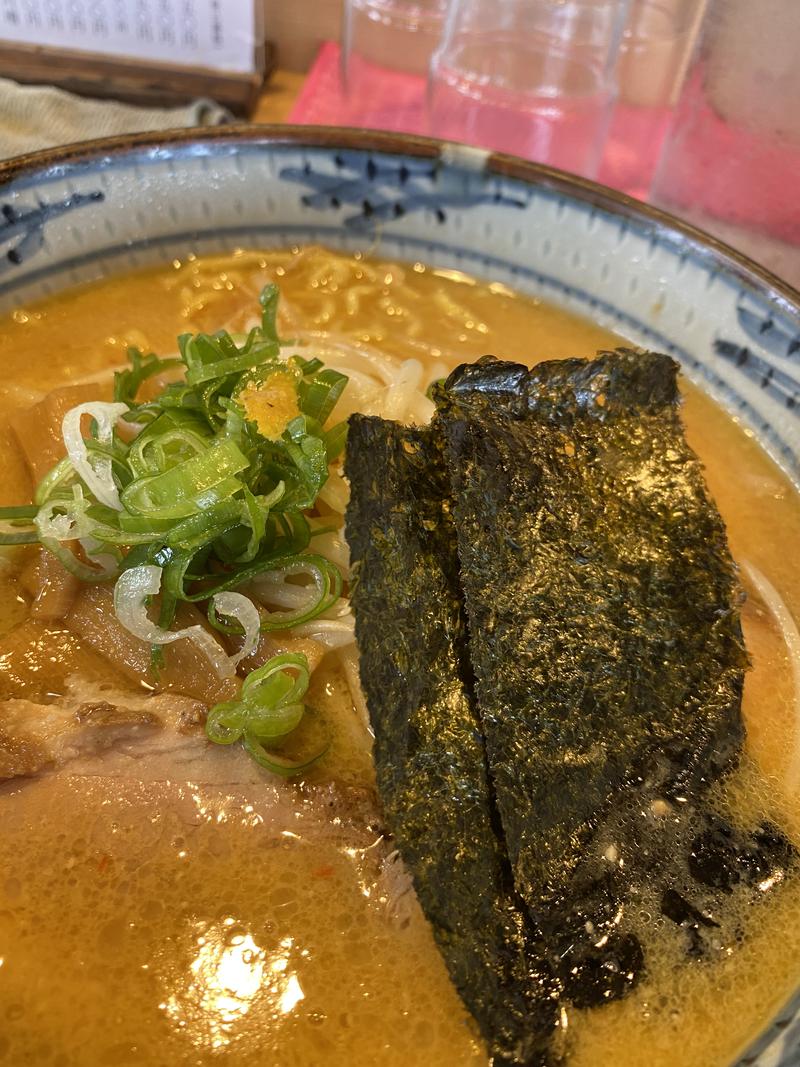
192,911
228,976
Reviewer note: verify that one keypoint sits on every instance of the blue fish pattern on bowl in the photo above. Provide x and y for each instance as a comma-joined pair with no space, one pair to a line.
22,229
384,191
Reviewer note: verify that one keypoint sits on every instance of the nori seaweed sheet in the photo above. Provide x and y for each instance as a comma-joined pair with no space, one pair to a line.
603,610
429,752
605,635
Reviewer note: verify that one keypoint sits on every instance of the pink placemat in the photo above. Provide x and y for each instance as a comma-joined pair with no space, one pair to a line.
320,101
393,101
397,102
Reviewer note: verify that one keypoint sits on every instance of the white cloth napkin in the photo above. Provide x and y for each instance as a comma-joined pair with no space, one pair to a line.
40,116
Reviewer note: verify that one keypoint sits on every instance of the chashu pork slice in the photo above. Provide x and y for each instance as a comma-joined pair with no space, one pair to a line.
88,721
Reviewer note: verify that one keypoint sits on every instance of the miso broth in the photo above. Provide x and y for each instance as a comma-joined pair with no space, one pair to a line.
183,907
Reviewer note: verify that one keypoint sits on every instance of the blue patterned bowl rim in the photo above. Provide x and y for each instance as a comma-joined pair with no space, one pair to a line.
55,162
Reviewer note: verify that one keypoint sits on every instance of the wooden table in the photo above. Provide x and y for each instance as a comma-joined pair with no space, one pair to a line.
278,97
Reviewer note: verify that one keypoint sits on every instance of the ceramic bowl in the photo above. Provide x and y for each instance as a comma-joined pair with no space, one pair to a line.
77,213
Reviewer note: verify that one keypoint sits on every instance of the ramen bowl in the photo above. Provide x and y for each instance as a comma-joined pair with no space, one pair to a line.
77,214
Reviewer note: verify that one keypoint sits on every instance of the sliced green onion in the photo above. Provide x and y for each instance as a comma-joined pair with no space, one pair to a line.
319,395
309,366
296,531
24,511
261,682
173,576
220,583
225,722
71,562
322,594
269,708
334,440
239,607
60,476
162,445
200,529
17,518
273,761
190,501
256,513
97,476
63,519
145,524
196,483
277,722
310,459
268,299
128,382
208,358
113,453
23,537
132,593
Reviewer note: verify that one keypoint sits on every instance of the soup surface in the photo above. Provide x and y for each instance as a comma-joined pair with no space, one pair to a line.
163,905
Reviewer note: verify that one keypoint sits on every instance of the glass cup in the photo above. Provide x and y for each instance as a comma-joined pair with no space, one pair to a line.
386,49
731,161
531,77
655,51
